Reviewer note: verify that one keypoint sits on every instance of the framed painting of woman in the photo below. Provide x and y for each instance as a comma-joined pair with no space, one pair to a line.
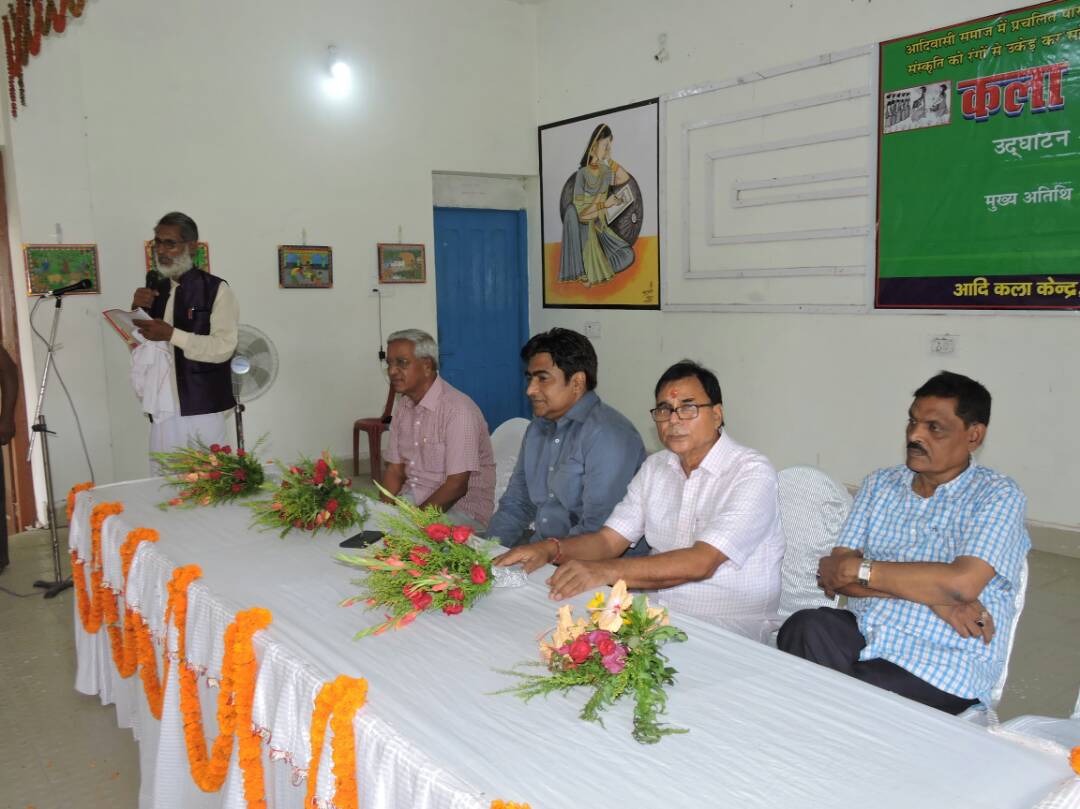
599,183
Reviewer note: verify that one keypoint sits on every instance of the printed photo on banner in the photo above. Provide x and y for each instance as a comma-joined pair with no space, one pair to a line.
599,189
917,107
978,211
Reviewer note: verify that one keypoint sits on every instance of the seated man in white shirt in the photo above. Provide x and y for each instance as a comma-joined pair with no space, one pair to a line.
709,508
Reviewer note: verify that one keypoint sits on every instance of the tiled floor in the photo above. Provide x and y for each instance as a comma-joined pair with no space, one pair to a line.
62,749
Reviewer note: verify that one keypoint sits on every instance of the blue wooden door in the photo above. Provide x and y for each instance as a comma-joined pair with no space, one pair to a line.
482,294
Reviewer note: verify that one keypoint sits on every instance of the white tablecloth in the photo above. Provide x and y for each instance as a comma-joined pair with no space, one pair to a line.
766,729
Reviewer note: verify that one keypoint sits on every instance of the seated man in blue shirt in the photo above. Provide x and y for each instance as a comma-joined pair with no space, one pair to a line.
930,559
578,454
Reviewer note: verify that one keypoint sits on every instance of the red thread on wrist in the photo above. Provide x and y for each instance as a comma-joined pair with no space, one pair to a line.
558,551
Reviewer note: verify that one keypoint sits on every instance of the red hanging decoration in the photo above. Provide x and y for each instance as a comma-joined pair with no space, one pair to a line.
39,25
24,32
9,46
25,24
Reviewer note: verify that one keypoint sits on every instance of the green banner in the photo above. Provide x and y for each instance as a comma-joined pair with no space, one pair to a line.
977,164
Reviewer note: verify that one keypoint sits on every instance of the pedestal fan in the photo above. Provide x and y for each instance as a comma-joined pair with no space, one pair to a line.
254,368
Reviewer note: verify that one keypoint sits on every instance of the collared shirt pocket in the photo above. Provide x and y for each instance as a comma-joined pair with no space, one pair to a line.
432,455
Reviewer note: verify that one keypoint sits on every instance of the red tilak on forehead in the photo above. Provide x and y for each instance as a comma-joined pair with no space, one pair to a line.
675,393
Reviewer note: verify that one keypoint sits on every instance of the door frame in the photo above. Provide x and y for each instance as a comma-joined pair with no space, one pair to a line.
20,506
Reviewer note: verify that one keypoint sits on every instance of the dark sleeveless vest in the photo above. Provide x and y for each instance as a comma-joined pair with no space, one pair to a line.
203,387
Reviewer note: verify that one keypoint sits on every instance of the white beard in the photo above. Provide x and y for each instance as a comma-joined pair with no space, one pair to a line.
179,266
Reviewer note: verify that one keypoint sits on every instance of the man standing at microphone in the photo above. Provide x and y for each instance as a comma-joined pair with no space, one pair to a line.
197,314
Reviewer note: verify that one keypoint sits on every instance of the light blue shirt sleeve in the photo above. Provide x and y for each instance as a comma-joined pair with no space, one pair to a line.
612,458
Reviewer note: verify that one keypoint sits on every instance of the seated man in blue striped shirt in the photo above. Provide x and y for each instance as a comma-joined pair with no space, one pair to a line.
578,454
930,559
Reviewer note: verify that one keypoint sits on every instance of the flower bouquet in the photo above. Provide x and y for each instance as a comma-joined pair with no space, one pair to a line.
422,564
209,475
311,496
615,652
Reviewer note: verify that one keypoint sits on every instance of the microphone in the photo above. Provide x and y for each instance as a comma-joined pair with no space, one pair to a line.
77,286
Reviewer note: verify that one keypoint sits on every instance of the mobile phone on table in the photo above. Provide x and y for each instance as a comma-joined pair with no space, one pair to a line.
362,540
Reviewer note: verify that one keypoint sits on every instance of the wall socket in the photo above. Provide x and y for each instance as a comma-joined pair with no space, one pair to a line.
943,344
592,328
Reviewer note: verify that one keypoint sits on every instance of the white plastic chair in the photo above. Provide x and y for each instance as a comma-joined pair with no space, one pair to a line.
1065,732
813,508
506,446
979,714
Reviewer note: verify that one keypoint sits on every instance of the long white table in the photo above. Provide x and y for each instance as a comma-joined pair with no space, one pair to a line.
766,729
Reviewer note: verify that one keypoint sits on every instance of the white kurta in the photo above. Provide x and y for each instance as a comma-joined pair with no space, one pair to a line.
218,346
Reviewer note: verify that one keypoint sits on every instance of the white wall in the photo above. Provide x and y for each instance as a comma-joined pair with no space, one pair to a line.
831,390
217,110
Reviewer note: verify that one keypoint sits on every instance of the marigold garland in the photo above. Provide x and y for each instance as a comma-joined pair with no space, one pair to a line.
1074,759
154,686
91,604
337,704
497,804
124,642
78,487
235,698
133,650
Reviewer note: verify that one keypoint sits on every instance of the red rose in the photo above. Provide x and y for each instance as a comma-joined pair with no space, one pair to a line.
461,533
453,608
318,478
580,650
331,506
419,554
321,467
215,447
214,475
227,449
422,601
605,646
310,526
457,593
478,574
236,487
240,453
298,524
240,474
295,470
438,532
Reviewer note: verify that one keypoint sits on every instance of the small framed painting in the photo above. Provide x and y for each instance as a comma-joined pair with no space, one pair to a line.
201,260
305,267
402,264
51,266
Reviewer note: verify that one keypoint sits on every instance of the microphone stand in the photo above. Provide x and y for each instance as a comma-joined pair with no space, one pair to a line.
58,583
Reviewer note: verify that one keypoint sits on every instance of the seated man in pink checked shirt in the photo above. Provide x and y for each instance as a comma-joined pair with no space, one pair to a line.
709,508
440,450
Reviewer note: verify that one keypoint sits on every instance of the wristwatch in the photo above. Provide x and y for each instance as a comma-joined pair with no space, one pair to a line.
866,567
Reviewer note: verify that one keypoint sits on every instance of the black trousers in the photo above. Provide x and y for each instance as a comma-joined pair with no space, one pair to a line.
831,637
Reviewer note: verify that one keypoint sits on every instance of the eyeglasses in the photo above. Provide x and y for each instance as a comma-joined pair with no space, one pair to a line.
686,412
401,363
168,244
